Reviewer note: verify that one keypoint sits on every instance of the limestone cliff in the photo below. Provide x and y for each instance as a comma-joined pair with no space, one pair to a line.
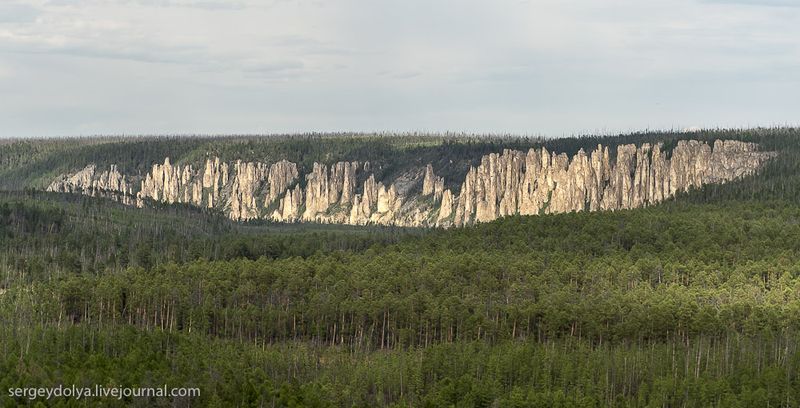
108,183
324,191
511,182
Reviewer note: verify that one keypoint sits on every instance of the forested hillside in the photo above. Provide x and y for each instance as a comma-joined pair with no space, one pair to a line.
396,180
692,302
31,163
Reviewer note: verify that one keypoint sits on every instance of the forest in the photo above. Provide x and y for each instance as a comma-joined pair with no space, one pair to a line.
694,302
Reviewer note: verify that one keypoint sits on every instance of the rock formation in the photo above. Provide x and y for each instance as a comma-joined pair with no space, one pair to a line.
432,184
506,183
108,183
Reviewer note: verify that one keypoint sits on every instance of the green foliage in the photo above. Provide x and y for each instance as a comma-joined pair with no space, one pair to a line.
45,236
693,302
34,163
680,303
728,371
656,274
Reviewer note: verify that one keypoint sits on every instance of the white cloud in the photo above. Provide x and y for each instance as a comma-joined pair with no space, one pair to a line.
767,3
13,12
204,4
554,66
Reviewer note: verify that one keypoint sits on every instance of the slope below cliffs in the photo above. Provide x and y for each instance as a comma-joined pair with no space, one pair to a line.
507,183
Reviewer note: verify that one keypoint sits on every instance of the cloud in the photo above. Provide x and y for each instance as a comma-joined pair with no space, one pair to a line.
18,13
174,55
276,66
545,66
199,4
114,48
309,45
280,70
202,4
767,3
168,31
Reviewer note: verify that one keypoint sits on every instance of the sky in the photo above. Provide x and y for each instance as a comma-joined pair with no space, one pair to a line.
539,67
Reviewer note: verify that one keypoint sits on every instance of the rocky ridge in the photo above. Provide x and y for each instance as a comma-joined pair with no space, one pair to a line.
507,183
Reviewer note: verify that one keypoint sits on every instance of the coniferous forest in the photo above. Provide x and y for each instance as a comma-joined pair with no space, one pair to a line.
693,302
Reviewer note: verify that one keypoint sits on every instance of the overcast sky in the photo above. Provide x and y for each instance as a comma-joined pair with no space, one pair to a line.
86,67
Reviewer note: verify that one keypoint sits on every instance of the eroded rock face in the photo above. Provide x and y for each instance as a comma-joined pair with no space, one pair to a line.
640,176
289,208
281,175
328,189
248,179
432,184
446,209
507,183
109,183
